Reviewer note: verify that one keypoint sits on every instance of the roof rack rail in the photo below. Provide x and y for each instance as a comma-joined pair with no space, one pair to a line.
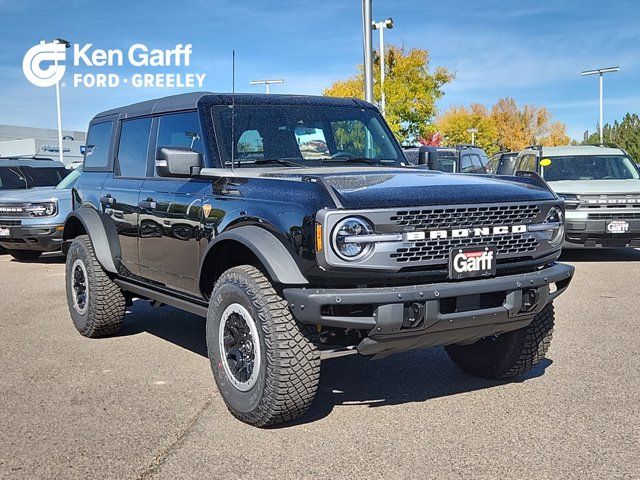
466,145
534,147
604,145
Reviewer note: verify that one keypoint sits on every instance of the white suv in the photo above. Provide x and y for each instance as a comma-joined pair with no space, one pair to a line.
601,188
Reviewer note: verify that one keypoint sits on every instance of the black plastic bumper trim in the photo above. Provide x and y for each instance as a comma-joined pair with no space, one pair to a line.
386,333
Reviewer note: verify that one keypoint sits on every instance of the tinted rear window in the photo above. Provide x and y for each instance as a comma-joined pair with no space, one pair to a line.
98,143
134,147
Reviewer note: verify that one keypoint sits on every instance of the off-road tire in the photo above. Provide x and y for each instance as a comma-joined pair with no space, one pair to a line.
289,368
25,255
509,354
105,307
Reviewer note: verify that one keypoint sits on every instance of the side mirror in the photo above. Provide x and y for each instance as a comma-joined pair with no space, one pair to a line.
427,155
178,161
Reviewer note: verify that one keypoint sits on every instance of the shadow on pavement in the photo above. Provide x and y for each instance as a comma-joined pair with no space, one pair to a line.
601,255
170,324
46,259
404,378
409,377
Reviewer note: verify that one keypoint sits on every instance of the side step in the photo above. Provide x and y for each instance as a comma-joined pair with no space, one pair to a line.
173,299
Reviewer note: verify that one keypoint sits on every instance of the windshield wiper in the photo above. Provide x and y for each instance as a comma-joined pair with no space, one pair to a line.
281,161
370,161
265,161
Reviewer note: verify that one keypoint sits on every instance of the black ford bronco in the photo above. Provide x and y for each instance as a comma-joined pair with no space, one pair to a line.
296,227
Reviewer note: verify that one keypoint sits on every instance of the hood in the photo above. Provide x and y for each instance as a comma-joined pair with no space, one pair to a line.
578,187
38,194
387,187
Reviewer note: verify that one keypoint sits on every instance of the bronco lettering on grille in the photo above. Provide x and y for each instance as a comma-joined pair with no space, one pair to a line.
464,232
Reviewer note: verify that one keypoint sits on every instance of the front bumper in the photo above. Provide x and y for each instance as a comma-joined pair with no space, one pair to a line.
455,312
44,238
592,233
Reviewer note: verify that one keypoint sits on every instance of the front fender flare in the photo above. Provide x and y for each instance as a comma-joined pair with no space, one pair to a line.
276,259
101,232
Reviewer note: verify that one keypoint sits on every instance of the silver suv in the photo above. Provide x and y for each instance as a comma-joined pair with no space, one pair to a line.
601,188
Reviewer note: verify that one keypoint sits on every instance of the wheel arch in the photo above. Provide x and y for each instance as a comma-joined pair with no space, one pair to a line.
248,245
86,221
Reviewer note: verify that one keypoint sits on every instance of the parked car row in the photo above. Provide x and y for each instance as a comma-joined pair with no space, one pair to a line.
599,183
35,198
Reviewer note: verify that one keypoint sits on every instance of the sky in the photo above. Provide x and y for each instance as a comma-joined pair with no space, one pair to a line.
532,51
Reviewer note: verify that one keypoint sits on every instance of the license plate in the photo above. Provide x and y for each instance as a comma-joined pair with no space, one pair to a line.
618,226
472,262
4,232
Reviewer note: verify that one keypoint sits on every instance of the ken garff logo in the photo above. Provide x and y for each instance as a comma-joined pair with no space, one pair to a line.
41,64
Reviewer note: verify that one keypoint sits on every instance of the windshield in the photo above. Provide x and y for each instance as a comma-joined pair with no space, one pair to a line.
45,177
291,135
12,178
589,167
70,180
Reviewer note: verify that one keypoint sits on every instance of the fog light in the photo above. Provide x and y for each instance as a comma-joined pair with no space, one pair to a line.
413,315
529,299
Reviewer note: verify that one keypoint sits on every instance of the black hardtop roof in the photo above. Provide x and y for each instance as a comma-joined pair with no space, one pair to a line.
190,101
30,162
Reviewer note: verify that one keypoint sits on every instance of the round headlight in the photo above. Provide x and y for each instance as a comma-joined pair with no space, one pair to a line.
345,241
50,208
556,234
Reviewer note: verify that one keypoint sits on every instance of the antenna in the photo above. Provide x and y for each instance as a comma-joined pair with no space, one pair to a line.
233,106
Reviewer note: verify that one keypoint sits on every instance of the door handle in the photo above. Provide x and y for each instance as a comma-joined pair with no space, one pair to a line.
107,200
148,204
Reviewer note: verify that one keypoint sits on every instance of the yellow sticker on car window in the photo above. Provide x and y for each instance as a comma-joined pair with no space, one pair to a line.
545,162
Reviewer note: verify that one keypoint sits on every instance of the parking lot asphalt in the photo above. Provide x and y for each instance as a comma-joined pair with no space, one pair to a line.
144,404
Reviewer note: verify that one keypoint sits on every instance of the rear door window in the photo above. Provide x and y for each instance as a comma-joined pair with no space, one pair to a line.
133,148
98,143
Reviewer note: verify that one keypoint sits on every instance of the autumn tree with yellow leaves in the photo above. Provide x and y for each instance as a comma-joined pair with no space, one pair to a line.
506,126
411,90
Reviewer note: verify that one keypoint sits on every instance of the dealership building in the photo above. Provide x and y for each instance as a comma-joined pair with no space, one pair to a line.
40,143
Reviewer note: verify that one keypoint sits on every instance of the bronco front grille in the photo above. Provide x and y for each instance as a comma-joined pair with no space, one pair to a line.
460,217
13,210
438,250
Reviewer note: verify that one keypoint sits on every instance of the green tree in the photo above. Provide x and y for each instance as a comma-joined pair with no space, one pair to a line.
625,133
411,90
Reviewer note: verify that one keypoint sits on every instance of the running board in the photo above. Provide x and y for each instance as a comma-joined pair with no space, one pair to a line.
174,300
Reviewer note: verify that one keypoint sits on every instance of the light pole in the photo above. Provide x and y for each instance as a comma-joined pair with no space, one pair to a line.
600,72
368,64
380,26
473,132
266,83
59,110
